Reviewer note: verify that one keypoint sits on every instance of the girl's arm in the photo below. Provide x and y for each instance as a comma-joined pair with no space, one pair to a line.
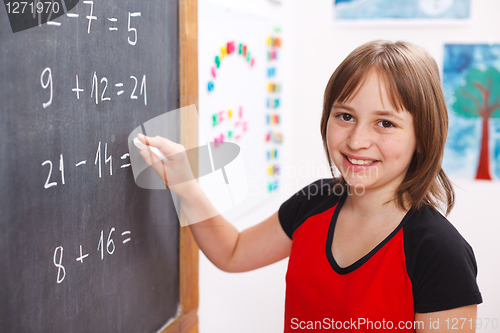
228,249
455,320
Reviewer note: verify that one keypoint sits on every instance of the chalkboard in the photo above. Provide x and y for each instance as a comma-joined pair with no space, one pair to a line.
82,247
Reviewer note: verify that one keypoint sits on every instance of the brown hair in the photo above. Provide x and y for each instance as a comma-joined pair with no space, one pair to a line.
412,81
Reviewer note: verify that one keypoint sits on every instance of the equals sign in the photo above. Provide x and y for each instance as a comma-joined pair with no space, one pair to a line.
112,19
119,85
123,158
124,234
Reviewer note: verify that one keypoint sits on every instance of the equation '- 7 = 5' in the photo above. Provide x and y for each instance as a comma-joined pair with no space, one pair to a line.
131,31
101,247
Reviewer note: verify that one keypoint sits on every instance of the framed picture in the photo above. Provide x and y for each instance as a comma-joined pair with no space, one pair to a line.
471,83
389,11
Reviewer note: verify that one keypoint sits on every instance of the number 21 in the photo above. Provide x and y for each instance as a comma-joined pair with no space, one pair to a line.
61,168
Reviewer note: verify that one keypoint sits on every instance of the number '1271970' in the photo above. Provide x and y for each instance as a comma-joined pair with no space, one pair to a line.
20,7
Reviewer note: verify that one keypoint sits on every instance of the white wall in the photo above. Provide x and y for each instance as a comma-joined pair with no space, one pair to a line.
253,302
477,218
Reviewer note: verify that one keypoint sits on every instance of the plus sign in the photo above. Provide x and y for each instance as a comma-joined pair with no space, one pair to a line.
80,259
77,89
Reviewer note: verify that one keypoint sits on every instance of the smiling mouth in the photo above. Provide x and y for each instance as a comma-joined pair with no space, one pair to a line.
360,162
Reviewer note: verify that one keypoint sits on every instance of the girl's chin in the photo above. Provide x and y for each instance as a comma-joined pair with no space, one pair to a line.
354,182
360,177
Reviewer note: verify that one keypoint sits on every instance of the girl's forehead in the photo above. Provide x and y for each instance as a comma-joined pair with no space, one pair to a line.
377,80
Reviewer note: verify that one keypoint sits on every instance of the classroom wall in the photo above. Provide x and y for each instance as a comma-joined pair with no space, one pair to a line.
253,301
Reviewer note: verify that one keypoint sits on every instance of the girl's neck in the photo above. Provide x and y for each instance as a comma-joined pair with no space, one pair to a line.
372,202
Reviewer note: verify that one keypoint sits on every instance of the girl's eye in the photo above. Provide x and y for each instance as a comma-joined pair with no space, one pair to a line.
345,116
386,124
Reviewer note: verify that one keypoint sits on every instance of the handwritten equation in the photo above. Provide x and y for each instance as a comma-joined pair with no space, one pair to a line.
104,248
100,162
54,8
100,88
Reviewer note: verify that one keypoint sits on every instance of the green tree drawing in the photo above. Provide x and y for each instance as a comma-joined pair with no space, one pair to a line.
480,97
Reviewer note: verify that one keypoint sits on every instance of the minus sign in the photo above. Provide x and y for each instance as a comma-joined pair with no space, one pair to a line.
119,85
80,163
72,15
54,23
112,29
112,19
120,92
125,166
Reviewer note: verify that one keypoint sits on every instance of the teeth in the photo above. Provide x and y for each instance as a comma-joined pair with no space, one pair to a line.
360,162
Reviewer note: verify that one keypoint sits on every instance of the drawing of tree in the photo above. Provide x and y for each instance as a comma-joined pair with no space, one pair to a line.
480,97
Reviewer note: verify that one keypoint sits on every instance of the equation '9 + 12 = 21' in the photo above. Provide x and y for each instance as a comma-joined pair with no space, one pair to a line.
99,90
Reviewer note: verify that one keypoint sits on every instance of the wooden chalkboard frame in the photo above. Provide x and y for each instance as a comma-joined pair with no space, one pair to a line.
187,322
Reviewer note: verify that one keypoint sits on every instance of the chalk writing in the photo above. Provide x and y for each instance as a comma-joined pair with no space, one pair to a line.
105,246
100,162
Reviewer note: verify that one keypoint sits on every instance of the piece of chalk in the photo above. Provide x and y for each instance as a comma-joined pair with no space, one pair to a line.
154,150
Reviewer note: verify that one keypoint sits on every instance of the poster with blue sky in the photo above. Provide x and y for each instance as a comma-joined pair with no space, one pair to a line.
471,84
400,10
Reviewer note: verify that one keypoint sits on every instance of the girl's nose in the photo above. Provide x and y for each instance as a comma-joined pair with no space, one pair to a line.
359,138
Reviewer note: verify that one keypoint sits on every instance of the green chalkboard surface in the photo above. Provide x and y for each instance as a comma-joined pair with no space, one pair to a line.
82,247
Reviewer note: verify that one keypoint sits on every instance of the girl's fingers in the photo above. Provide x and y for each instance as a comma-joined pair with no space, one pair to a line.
142,138
166,146
149,157
177,169
153,161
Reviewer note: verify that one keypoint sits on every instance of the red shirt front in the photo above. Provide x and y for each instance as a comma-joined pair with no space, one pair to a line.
376,295
424,265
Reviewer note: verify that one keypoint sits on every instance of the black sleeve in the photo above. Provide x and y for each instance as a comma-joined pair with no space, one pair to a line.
312,199
440,263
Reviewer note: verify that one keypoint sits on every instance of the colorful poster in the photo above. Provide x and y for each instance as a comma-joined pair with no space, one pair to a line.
274,130
471,83
408,9
240,95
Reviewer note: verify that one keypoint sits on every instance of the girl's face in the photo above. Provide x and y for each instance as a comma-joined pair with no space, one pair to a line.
368,140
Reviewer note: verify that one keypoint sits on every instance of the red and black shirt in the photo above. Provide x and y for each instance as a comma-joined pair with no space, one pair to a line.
424,265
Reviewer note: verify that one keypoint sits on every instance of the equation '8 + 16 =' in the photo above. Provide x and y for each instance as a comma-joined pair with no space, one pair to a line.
109,246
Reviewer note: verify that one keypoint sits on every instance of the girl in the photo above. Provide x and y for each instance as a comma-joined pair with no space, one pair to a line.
369,249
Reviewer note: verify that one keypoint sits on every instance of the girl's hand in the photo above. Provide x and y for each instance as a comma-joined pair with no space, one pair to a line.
176,172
